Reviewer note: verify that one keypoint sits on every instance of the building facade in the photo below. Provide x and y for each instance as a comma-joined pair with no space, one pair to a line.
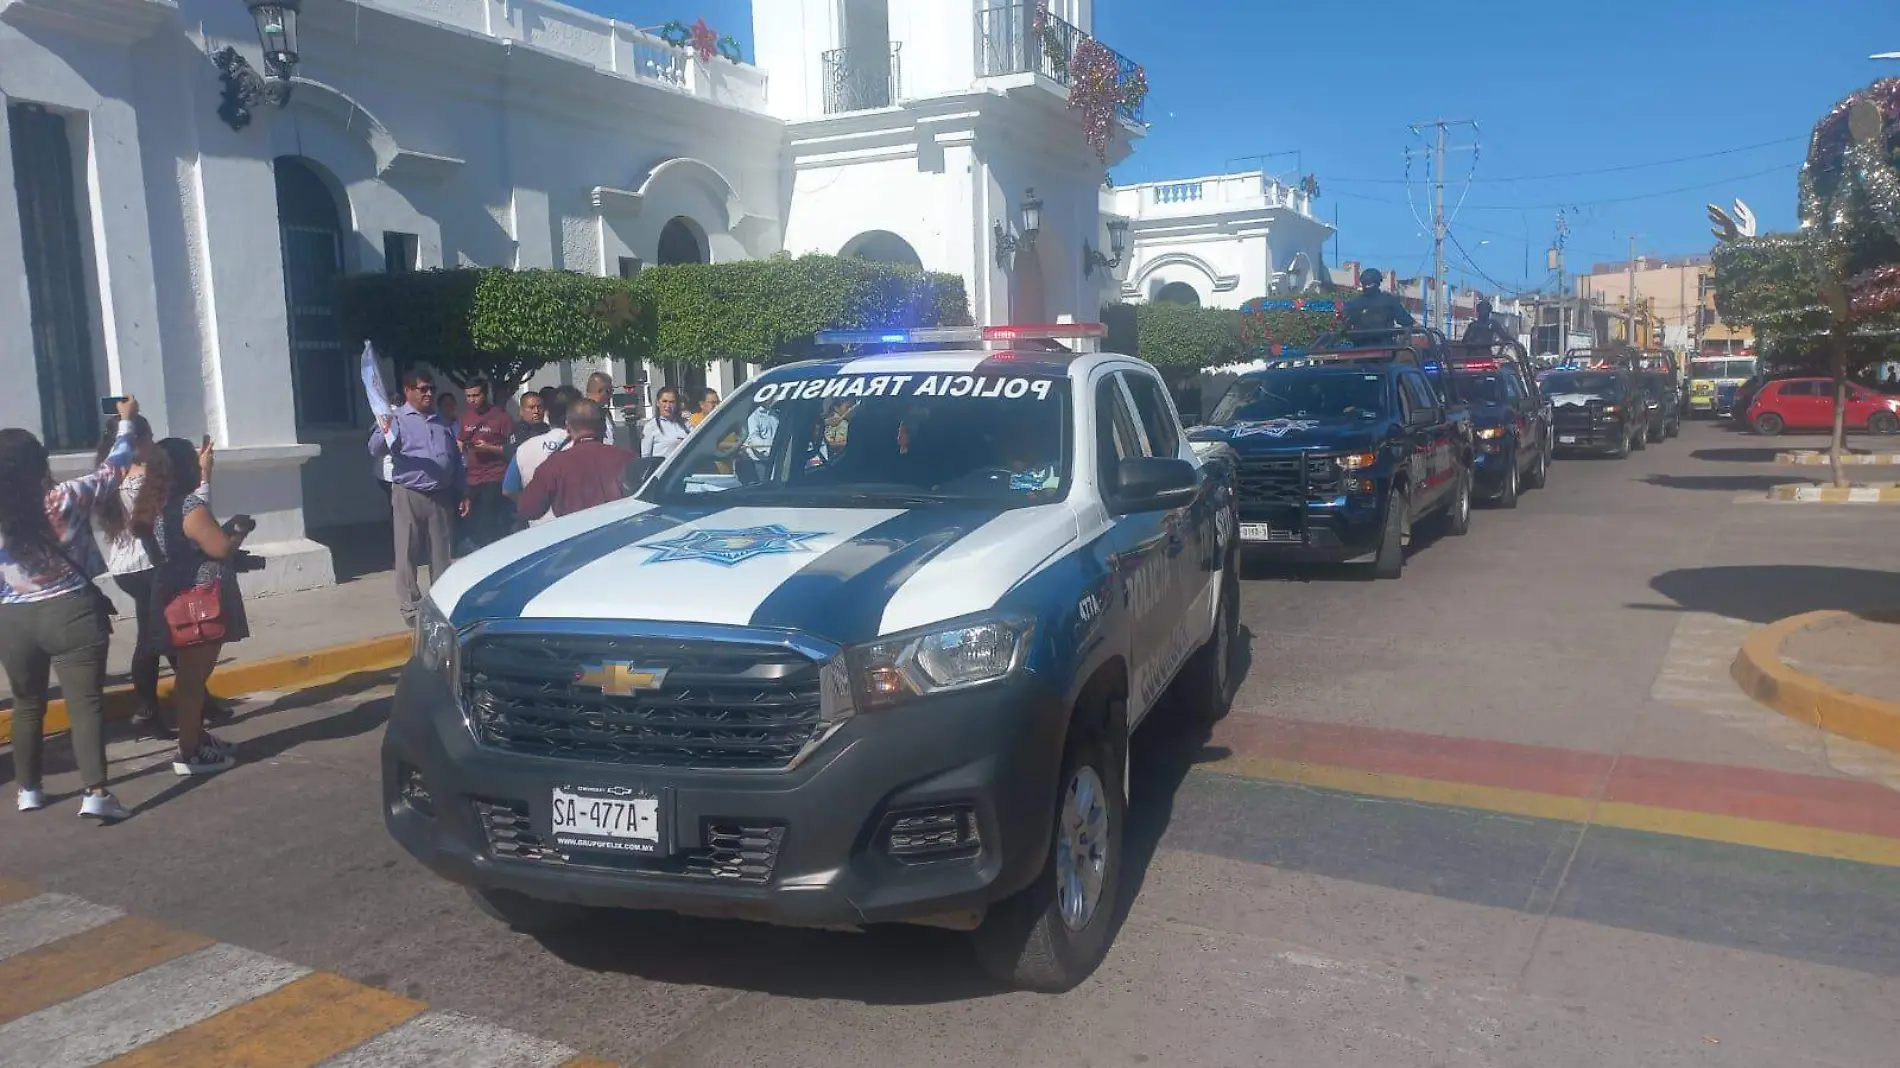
166,247
1216,241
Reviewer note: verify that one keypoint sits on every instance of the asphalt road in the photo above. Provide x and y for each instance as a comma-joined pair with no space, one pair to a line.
1498,812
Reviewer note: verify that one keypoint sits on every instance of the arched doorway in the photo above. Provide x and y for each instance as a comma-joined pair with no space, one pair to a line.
882,246
311,231
1029,303
1178,293
681,241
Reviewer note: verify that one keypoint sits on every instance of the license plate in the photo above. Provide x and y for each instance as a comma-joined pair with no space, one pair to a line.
1256,532
1566,439
611,819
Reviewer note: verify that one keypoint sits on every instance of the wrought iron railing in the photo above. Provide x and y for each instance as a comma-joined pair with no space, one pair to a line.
859,79
1025,38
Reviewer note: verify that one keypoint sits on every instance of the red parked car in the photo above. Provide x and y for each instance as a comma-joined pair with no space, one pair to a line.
1808,404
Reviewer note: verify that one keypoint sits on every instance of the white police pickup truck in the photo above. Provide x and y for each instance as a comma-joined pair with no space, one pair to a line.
868,648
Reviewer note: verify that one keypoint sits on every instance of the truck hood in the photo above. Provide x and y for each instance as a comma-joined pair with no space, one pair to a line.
845,574
1579,400
1292,435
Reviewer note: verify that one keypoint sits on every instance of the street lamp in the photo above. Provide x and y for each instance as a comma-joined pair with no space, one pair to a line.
1117,243
1008,244
244,89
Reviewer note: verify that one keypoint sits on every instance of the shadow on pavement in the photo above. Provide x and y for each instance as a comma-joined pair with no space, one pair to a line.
887,965
1736,456
1767,592
1723,483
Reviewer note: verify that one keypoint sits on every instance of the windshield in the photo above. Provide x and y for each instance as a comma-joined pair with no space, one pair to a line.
1722,369
1294,394
1588,382
1483,387
919,438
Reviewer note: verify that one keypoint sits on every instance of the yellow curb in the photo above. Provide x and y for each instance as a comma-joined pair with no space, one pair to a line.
292,671
1767,678
1857,459
1807,493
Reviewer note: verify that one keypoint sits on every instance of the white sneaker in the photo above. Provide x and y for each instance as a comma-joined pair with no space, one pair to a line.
208,760
32,800
104,807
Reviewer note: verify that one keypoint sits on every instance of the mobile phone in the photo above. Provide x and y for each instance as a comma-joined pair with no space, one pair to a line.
205,442
109,405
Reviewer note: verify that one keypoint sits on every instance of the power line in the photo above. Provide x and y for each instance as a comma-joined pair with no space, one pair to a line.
1587,203
1596,170
1501,287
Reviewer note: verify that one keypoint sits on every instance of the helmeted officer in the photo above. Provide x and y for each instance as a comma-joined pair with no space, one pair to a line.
1484,330
1374,308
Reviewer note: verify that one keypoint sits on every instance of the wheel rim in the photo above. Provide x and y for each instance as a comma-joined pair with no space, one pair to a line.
1464,500
1222,621
1081,848
1512,492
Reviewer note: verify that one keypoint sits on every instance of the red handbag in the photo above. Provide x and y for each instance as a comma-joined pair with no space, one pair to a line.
196,616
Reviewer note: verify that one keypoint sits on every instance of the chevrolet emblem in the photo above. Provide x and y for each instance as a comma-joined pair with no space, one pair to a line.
619,678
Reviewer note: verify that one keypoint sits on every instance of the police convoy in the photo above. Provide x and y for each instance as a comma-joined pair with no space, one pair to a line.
869,647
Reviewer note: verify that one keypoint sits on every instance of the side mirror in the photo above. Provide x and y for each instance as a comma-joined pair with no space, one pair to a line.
636,473
1154,483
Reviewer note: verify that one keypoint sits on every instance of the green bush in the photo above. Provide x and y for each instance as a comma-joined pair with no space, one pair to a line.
1183,337
1267,324
495,323
766,311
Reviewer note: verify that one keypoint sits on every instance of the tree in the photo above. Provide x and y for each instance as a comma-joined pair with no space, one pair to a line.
496,323
1836,282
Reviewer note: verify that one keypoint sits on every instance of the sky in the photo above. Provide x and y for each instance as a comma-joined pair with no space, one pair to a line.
1707,102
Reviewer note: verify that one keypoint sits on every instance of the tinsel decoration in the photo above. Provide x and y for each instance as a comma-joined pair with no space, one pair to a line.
700,38
1827,149
1135,90
1094,90
1310,186
1875,291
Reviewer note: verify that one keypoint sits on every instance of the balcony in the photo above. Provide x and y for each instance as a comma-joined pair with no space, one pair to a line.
860,79
1027,39
1251,191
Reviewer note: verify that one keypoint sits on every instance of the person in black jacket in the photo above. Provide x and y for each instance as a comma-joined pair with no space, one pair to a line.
1376,309
1485,330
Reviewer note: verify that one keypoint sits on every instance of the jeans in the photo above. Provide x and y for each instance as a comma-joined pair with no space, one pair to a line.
490,515
66,634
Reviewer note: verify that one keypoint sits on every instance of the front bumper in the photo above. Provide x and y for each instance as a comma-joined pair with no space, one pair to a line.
1601,437
1491,464
1323,534
816,833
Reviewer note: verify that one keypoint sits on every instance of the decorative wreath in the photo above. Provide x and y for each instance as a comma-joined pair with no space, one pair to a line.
704,43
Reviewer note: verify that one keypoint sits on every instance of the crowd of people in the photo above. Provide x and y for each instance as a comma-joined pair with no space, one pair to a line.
461,477
143,516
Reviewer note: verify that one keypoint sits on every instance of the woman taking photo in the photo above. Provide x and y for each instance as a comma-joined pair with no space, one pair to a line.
191,554
131,566
51,616
667,428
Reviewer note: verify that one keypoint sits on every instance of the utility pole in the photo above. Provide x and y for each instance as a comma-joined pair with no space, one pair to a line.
1629,313
1440,307
1563,295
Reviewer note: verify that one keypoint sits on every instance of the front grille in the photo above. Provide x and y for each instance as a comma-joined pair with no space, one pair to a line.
734,852
1577,417
720,704
1275,482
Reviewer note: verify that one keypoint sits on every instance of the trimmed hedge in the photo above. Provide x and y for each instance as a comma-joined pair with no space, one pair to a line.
494,323
766,311
1269,324
1184,337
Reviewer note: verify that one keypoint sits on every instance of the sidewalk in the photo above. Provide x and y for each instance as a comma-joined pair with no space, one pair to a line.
1836,670
1853,653
285,623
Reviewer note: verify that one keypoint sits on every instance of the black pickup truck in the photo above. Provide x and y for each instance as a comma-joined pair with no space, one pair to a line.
1510,420
1601,411
1340,453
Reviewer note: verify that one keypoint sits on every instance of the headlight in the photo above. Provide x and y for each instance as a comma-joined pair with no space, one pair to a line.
943,658
1610,409
437,647
1358,461
1489,433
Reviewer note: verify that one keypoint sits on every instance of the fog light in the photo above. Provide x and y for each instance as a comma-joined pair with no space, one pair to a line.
414,791
933,834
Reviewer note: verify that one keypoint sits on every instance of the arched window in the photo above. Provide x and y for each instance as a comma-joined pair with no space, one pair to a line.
1178,293
311,229
681,241
882,246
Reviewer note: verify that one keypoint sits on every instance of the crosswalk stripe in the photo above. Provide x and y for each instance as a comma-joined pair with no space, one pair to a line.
32,923
294,1026
46,976
449,1040
126,1014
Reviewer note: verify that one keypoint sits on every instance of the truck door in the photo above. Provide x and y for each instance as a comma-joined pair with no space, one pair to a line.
1431,440
1192,542
1139,553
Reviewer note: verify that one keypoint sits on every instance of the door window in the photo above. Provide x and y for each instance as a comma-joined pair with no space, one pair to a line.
1117,437
1421,403
1164,438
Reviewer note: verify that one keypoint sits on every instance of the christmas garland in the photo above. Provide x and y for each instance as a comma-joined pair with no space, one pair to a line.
1097,87
701,39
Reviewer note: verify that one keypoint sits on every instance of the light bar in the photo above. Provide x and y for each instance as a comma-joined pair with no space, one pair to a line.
931,335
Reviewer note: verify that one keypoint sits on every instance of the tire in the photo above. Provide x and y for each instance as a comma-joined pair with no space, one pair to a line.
1539,475
1883,423
1640,439
1204,685
525,915
1768,424
1389,560
1032,941
1507,497
1455,520
1658,432
1622,450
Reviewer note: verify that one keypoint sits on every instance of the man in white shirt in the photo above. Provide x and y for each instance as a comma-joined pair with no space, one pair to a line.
531,453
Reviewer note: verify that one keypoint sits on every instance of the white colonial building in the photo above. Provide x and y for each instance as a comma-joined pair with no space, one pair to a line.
1217,241
178,241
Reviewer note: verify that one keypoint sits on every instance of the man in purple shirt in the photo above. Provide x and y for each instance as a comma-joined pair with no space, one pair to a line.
428,487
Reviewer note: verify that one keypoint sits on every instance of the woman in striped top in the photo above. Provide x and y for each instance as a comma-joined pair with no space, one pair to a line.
50,613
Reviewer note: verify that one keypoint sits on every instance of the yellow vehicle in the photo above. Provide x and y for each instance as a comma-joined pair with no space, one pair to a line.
1713,381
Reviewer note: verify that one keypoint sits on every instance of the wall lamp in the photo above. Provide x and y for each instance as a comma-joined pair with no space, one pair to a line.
244,89
1008,244
1117,243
